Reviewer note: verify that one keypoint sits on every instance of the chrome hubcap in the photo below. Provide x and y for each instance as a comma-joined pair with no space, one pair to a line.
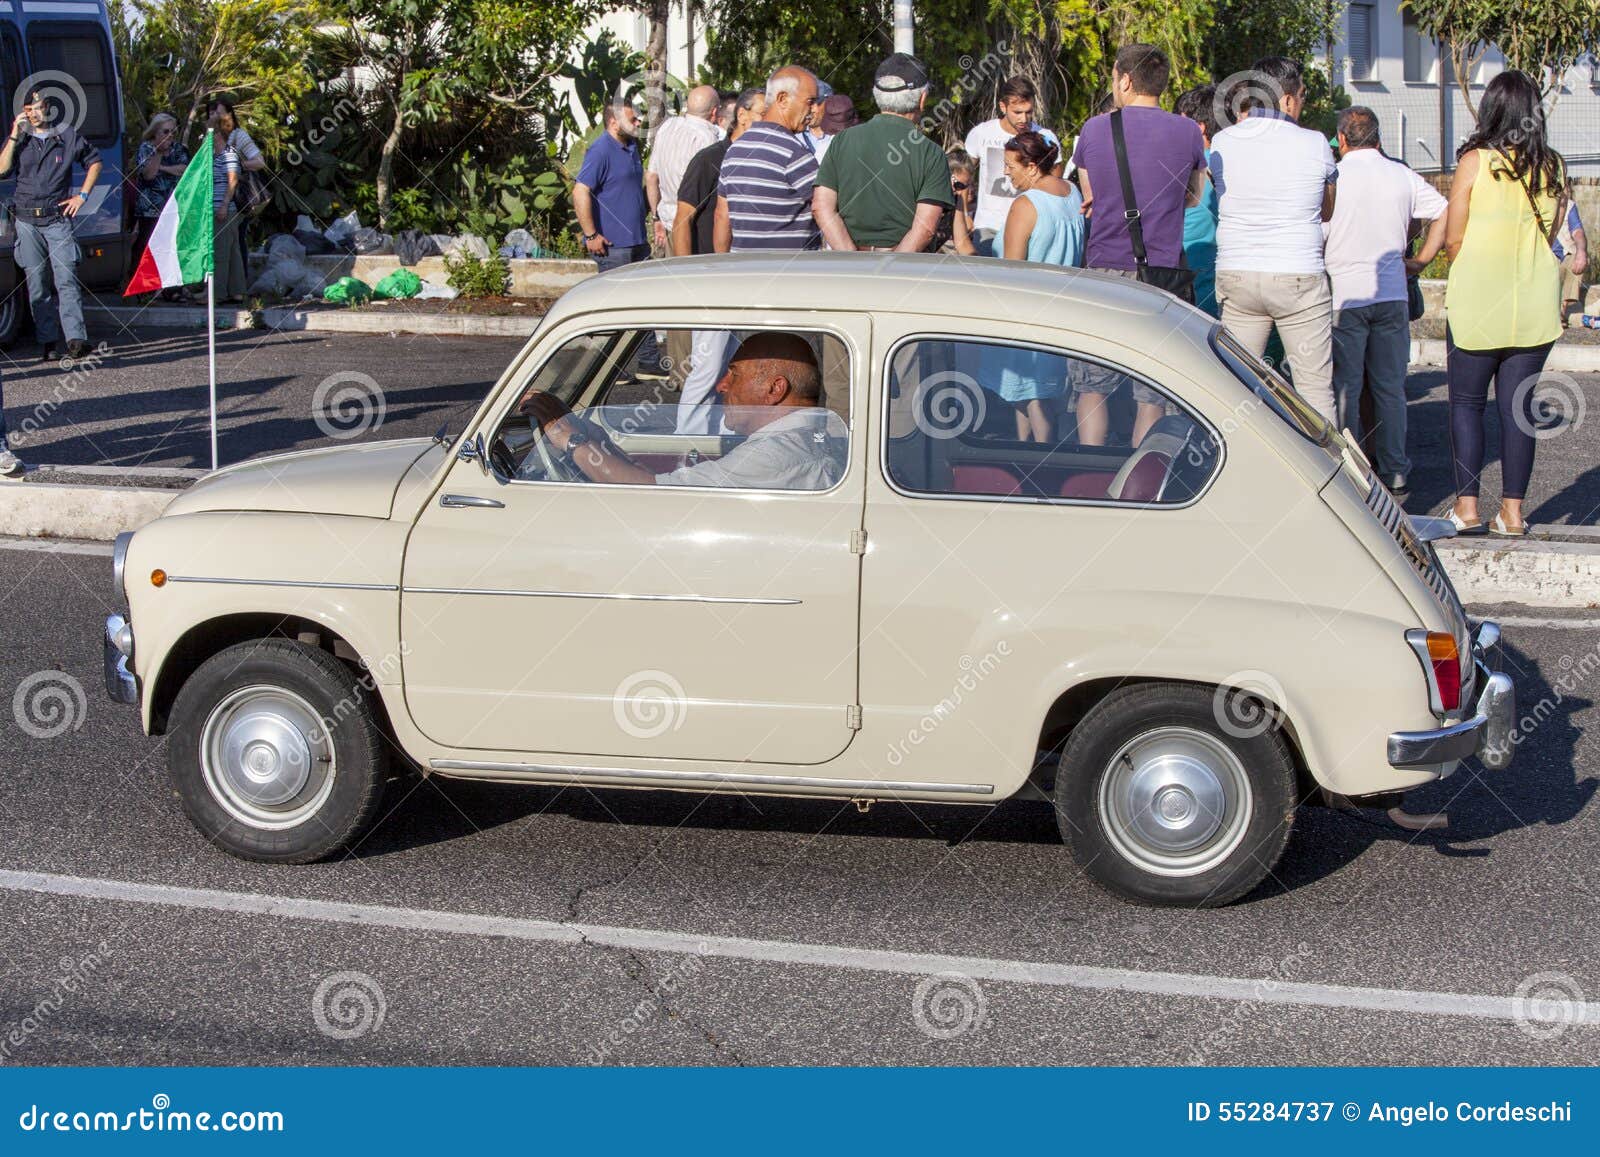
266,757
1175,801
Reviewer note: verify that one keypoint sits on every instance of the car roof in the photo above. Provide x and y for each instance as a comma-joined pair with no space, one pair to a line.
923,283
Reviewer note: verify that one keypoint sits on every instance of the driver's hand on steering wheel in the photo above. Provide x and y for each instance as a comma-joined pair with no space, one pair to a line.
550,414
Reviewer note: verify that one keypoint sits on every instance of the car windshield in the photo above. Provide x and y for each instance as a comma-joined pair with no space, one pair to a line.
1273,389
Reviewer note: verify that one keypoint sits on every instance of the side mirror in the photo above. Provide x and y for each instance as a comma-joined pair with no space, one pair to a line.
472,450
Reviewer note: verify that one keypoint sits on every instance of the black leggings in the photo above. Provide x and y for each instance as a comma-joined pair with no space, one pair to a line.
1470,372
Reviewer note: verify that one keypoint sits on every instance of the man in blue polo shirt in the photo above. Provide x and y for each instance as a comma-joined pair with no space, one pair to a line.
43,151
609,201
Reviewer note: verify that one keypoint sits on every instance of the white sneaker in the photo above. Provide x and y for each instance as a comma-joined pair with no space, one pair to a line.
10,465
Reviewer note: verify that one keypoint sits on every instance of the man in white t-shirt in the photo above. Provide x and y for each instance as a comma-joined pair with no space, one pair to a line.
676,143
986,145
1367,238
1274,183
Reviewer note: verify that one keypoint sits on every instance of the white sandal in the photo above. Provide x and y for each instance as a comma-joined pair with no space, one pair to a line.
1498,527
1462,526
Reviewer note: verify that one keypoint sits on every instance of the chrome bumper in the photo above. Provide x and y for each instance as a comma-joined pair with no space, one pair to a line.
1488,733
121,685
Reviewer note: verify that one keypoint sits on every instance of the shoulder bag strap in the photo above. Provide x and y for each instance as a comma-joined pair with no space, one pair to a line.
1549,234
1130,204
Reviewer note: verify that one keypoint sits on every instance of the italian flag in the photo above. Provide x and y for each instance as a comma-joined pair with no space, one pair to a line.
180,249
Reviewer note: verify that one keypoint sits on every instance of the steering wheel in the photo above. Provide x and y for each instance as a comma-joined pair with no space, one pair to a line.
558,464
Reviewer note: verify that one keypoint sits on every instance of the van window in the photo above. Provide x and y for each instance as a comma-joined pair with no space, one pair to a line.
83,62
10,65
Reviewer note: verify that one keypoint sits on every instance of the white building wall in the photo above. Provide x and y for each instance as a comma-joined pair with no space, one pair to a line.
1409,110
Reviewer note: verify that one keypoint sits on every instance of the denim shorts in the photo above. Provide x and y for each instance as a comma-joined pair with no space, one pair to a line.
1093,378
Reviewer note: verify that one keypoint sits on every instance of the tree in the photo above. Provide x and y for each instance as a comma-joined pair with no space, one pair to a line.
178,54
1543,38
426,58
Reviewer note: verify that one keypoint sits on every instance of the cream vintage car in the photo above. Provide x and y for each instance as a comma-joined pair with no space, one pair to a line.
885,595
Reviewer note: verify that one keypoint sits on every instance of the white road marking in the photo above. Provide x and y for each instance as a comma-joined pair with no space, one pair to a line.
1199,987
55,546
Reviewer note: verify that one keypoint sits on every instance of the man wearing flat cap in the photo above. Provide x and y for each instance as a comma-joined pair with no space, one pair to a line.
883,185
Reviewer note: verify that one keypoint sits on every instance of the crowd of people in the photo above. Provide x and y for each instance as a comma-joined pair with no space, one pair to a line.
1226,201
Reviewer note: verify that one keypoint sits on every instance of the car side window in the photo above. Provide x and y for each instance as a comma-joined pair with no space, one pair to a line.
998,420
717,408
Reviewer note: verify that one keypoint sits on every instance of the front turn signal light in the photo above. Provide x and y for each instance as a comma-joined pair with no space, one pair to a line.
158,578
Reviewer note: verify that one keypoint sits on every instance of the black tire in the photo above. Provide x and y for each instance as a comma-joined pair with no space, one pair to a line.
13,314
1098,772
344,789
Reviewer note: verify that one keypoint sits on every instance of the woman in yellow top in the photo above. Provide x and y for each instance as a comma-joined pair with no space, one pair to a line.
1503,299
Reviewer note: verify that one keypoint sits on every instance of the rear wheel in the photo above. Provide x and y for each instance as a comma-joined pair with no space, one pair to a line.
1164,799
276,753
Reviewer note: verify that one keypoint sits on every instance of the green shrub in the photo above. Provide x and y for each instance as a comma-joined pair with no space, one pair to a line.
473,276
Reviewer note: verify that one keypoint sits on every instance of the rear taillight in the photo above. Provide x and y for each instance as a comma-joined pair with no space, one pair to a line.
1441,663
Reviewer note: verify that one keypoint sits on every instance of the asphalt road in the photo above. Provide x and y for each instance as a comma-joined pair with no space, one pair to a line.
144,403
473,882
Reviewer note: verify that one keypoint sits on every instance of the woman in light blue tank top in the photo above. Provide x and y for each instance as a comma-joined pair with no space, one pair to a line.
1045,224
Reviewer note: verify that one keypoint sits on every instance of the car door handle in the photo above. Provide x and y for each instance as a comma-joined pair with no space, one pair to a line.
450,501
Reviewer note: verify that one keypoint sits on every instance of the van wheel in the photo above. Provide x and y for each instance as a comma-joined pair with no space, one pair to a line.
1163,804
276,753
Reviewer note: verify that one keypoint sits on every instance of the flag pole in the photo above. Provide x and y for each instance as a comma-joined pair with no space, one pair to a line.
211,355
211,316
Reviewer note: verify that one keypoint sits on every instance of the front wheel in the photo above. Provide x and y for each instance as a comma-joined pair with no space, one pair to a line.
276,753
1164,799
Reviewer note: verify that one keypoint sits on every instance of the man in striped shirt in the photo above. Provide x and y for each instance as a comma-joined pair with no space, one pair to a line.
764,192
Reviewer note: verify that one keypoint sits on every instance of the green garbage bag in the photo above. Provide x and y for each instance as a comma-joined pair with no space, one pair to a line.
347,291
400,283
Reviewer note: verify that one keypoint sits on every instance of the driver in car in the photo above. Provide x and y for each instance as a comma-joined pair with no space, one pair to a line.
772,393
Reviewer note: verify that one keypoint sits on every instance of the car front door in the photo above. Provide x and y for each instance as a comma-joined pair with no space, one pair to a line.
543,614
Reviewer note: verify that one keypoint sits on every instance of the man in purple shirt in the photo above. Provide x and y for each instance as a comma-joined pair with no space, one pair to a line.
1167,163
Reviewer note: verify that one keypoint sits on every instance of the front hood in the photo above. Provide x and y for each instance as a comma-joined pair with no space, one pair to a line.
355,480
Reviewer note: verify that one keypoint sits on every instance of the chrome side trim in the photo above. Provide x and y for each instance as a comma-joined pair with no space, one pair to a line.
249,582
600,595
844,785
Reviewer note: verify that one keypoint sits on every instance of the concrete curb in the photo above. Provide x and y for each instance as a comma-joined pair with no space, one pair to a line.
1569,359
1538,573
288,318
168,316
65,510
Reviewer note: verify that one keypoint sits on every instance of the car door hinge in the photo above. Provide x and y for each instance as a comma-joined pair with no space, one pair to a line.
852,716
858,542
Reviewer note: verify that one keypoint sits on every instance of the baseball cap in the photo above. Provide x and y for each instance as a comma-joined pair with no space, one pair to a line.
900,72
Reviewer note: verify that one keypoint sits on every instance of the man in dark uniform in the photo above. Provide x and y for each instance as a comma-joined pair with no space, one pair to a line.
43,150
